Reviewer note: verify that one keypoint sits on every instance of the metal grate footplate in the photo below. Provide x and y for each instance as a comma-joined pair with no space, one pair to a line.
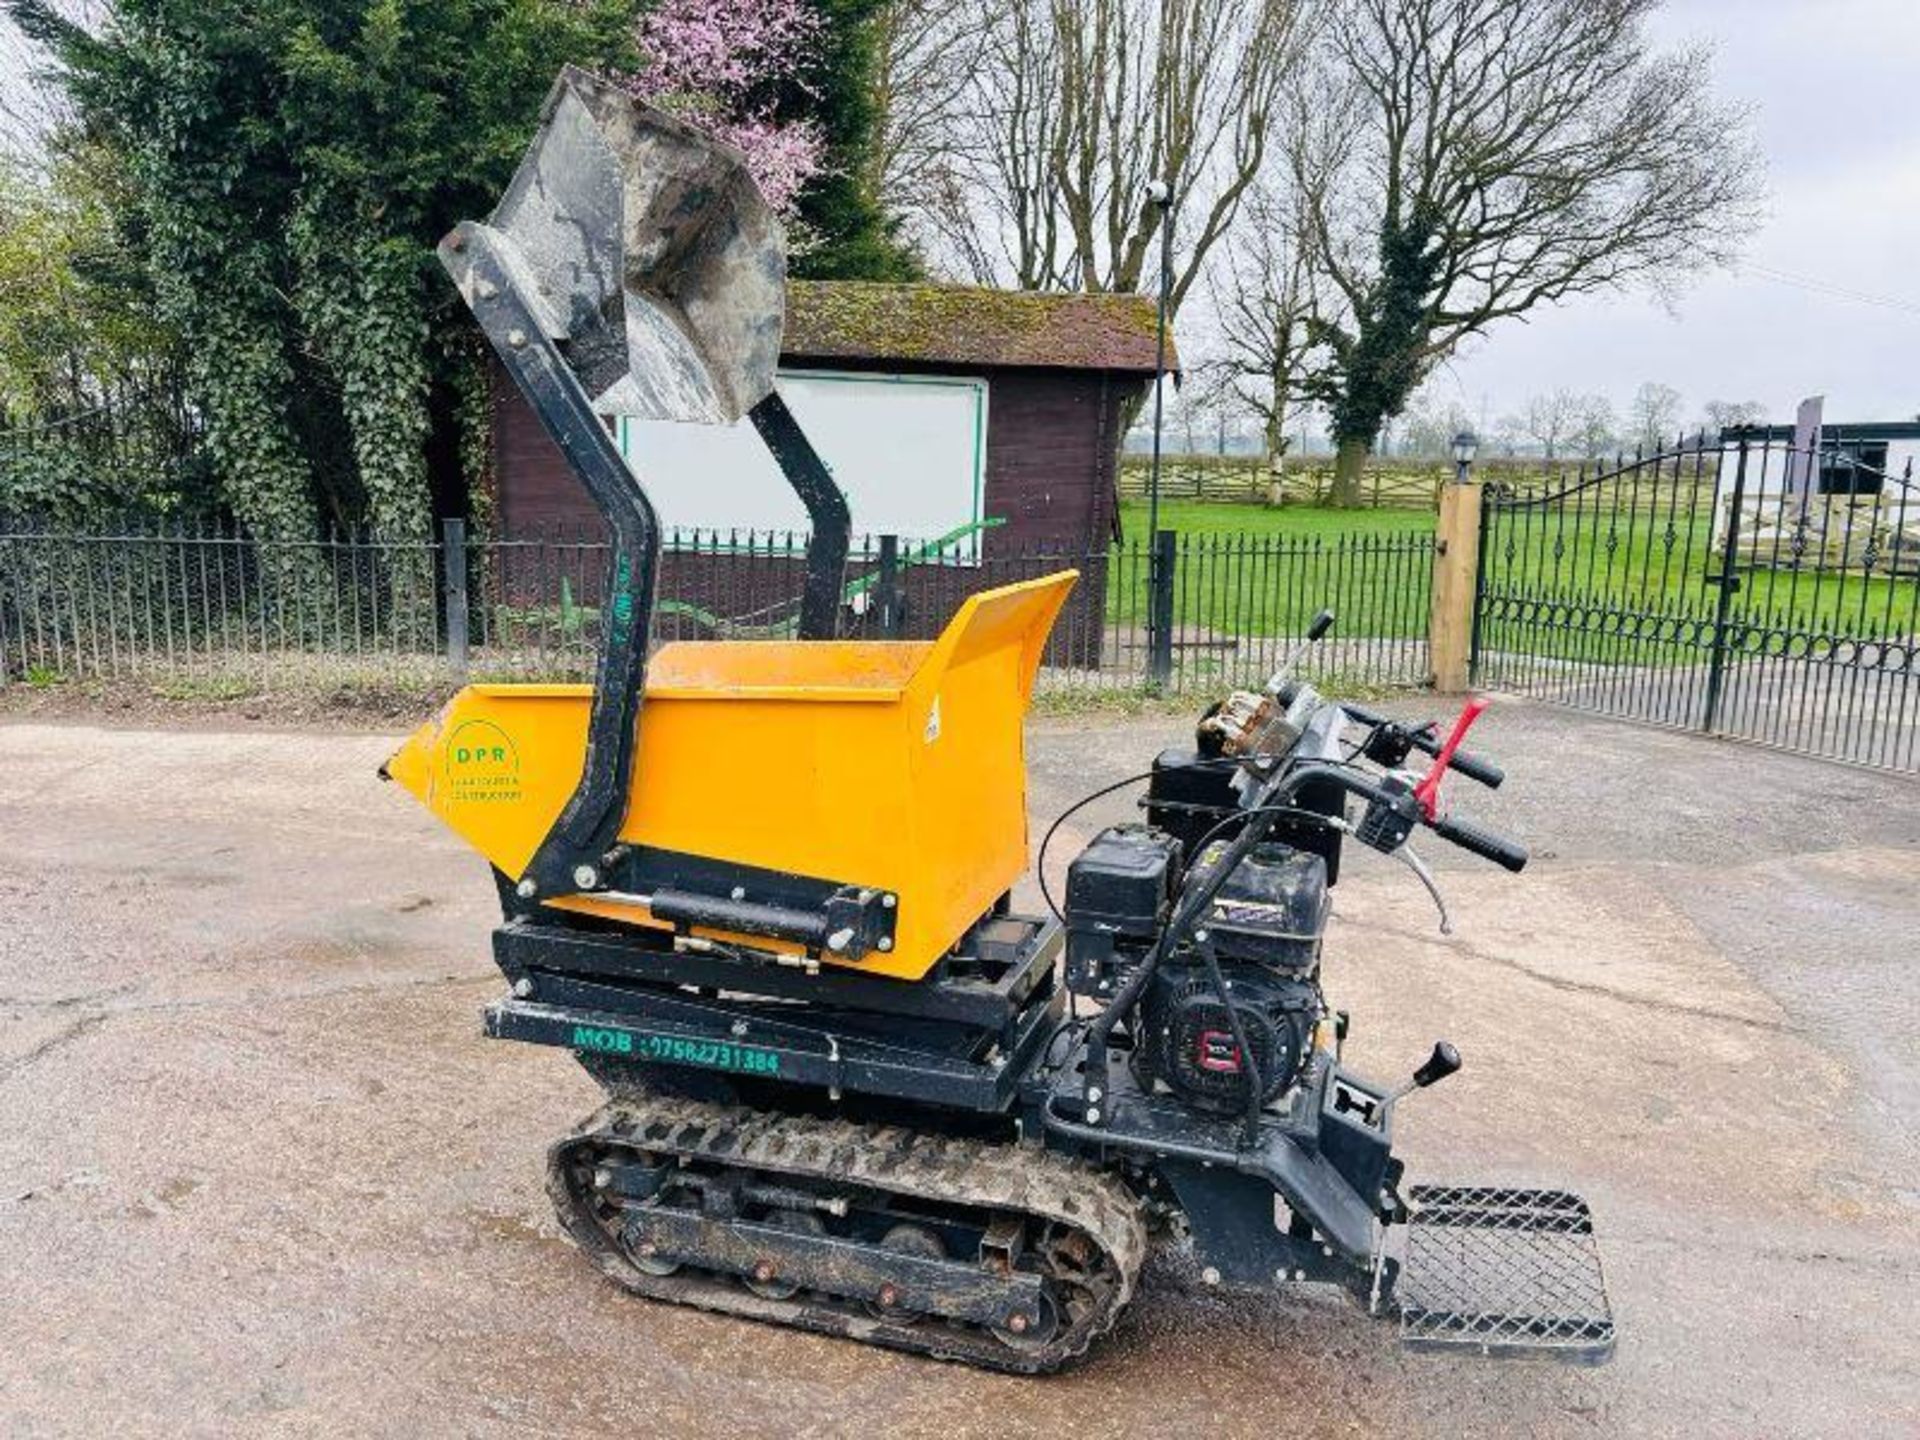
1503,1272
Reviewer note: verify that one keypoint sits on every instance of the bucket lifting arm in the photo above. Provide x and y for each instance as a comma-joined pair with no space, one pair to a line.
830,524
633,268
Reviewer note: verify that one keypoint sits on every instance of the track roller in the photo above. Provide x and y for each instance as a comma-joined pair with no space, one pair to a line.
1000,1255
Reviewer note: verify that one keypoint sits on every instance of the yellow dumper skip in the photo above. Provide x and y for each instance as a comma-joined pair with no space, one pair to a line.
895,765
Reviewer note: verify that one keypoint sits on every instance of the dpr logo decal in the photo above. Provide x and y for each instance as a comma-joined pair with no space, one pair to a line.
482,764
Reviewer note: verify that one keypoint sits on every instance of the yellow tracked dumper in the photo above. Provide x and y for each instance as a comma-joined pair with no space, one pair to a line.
762,890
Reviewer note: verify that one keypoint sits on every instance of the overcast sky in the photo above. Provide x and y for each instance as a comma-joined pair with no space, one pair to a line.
1832,86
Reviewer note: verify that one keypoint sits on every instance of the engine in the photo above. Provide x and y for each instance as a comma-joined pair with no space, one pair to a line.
1263,930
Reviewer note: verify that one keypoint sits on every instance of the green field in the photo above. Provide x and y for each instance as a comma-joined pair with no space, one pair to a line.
1251,570
1192,517
1248,570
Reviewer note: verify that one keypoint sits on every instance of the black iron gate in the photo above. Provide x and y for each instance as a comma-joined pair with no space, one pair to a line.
1742,586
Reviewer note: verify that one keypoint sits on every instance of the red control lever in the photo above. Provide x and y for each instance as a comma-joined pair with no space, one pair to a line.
1427,792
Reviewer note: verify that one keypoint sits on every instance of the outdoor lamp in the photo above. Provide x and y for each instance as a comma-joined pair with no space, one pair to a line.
1464,445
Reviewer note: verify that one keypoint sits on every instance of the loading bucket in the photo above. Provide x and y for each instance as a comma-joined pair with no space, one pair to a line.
895,765
646,250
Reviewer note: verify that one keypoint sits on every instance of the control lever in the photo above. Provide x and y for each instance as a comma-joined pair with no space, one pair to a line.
1425,876
1427,792
1444,1061
1317,629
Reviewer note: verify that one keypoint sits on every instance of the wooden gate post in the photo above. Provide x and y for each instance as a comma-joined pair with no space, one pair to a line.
1456,564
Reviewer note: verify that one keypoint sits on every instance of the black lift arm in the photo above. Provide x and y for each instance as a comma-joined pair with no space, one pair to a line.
570,857
830,524
630,250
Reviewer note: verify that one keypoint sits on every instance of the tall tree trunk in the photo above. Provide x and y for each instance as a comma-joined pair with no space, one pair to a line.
1276,447
1349,466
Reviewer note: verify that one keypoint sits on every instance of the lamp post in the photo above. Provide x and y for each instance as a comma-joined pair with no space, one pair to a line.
1464,446
1159,654
1160,196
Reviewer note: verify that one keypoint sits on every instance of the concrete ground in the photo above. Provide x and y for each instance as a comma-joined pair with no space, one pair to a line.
1849,710
259,1173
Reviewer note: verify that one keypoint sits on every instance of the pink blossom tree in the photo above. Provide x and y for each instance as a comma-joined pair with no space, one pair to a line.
713,63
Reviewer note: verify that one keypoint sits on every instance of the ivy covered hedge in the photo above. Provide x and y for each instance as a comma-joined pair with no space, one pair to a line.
282,171
290,164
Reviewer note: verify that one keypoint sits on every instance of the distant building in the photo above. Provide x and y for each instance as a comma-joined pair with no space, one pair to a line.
1852,457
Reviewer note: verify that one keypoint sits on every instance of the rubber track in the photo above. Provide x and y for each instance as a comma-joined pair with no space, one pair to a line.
930,1167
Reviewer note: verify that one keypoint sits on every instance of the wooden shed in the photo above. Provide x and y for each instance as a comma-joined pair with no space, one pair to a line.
1031,478
1058,372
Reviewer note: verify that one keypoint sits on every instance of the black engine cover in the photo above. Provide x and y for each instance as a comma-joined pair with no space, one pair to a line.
1189,1040
1118,892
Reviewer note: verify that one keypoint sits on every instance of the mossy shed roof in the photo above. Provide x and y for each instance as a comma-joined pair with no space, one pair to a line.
965,325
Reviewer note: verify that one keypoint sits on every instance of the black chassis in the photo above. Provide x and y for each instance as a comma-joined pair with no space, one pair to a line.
979,1043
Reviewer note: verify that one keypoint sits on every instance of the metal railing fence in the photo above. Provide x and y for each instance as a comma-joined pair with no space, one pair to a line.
204,607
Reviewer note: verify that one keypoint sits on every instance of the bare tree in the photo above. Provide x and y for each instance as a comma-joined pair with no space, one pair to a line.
1718,415
1548,421
1595,428
1264,298
1213,403
1074,106
1428,424
1654,416
925,84
1504,154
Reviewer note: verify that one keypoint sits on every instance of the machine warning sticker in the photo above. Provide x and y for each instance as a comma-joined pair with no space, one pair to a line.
482,764
714,1054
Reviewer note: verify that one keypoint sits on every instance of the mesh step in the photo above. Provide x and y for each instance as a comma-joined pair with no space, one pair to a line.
1503,1272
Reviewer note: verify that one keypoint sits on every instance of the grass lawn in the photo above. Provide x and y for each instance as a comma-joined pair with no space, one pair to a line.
1251,570
1196,517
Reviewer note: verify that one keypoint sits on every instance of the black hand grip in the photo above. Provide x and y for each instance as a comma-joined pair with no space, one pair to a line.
1444,1061
1477,767
1497,848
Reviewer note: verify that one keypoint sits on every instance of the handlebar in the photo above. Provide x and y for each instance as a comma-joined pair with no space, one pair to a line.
1509,854
1474,767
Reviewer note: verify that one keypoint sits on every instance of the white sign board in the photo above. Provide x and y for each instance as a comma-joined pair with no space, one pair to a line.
908,451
